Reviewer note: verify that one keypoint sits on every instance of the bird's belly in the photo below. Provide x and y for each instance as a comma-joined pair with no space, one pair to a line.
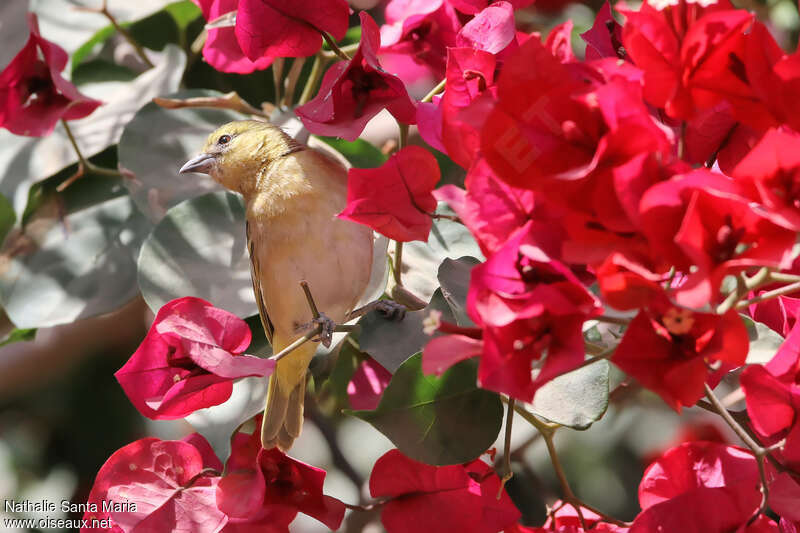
334,256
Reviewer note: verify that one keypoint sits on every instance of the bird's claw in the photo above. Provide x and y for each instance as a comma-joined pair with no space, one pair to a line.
391,310
327,327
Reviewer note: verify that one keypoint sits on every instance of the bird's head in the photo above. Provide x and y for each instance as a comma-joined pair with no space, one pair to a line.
237,152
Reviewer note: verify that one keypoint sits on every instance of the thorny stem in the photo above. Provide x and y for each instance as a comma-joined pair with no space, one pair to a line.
103,10
548,431
334,47
507,472
759,451
84,165
231,101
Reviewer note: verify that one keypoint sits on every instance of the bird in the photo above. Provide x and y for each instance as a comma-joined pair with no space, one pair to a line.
292,194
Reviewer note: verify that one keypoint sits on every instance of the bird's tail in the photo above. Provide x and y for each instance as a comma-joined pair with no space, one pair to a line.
283,414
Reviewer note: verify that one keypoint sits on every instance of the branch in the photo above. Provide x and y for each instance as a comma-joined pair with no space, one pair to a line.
84,165
759,451
334,47
103,10
548,431
507,472
230,101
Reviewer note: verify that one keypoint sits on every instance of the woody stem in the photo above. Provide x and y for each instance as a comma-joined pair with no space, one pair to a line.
758,451
125,34
333,46
84,165
548,431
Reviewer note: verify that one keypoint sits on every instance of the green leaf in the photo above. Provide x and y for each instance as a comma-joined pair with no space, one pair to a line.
199,249
157,142
67,268
421,260
392,342
764,342
438,421
454,278
101,36
19,335
184,12
360,153
575,399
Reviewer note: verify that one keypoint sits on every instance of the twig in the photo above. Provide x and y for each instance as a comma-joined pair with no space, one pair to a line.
310,299
613,320
313,77
84,165
291,80
548,431
507,472
759,451
103,10
334,47
402,141
398,263
277,74
436,90
231,101
786,289
349,49
299,342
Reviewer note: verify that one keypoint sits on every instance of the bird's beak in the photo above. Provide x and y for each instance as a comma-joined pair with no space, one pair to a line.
200,163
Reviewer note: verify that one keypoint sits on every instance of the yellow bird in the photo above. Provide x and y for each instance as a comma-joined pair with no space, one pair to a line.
292,194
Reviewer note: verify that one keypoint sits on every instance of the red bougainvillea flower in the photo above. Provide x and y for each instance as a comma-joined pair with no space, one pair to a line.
773,397
395,199
604,38
491,30
352,92
490,208
277,28
683,47
188,360
580,135
367,385
670,349
704,221
432,499
469,88
421,30
267,488
222,50
33,94
472,7
773,167
529,304
700,487
158,486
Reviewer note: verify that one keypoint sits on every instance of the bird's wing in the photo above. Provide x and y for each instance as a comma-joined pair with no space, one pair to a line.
254,270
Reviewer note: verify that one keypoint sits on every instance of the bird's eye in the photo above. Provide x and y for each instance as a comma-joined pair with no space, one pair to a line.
225,139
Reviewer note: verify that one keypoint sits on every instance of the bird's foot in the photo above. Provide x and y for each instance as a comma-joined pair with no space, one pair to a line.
326,325
387,308
391,309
